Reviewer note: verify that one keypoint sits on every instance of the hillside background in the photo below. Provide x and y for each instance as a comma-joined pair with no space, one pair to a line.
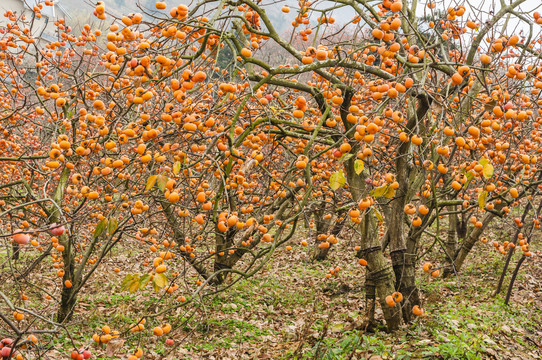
82,10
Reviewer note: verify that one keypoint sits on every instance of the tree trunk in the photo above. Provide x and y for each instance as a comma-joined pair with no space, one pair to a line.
370,302
461,227
472,238
68,295
379,273
329,227
378,268
403,260
320,254
322,227
67,305
223,242
404,267
181,239
15,247
451,241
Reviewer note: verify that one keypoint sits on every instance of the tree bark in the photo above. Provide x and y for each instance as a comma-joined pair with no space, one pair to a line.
472,238
404,267
15,247
513,279
69,294
329,227
404,262
451,241
68,297
370,302
379,272
322,226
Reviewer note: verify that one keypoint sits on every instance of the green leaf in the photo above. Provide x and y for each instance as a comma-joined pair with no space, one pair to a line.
112,225
470,175
345,157
160,280
161,182
380,191
483,161
150,182
177,167
488,171
100,228
482,199
144,280
358,166
337,180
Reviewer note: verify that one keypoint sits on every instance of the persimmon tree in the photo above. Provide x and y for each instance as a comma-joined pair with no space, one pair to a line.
205,138
91,153
419,113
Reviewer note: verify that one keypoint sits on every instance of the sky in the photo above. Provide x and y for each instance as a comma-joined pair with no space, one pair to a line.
342,15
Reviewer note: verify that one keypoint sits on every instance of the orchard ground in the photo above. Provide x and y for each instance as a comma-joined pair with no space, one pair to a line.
291,310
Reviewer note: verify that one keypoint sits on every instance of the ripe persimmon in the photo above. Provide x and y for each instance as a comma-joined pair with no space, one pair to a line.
389,301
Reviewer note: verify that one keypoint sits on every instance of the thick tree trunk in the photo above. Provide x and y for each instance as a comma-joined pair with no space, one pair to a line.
180,239
380,273
227,241
379,277
320,254
378,268
65,313
403,260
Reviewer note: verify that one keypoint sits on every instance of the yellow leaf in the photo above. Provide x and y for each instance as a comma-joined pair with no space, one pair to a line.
358,166
488,171
160,280
380,191
482,199
390,192
150,182
378,215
